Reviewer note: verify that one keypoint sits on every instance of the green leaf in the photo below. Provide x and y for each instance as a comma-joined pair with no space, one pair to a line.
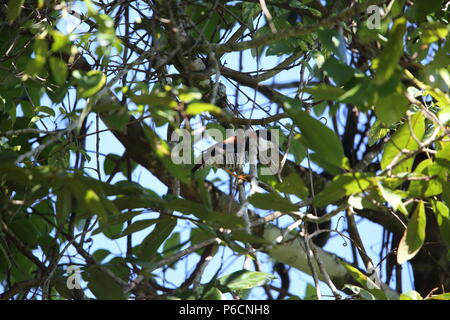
172,244
137,226
310,292
444,296
344,185
89,83
153,241
100,254
292,184
317,136
116,220
391,108
188,97
112,160
133,202
426,188
5,261
421,9
63,205
403,139
394,199
14,8
46,110
213,294
36,65
201,234
271,201
392,52
443,218
117,120
93,202
338,71
25,230
163,153
333,40
244,279
60,40
298,149
110,163
243,236
282,47
27,268
202,212
111,231
361,292
369,285
300,5
200,107
120,268
325,92
443,155
59,70
103,286
208,23
411,295
325,165
433,31
414,235
376,133
155,99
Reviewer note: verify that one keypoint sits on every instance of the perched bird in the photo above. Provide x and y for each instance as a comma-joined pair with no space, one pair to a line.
233,153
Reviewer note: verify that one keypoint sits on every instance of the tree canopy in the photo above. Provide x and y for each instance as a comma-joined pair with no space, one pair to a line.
92,93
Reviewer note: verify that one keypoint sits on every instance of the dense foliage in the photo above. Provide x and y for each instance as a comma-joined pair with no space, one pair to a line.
358,89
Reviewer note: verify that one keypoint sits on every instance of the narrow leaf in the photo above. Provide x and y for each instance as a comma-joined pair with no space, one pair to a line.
63,205
414,235
402,140
271,201
344,185
153,241
245,279
200,107
317,136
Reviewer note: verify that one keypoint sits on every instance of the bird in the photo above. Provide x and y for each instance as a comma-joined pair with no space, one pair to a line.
235,151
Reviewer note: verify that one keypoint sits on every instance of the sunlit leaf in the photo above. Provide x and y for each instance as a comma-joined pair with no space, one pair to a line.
411,295
430,185
200,107
89,83
403,140
245,279
344,185
442,213
414,235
